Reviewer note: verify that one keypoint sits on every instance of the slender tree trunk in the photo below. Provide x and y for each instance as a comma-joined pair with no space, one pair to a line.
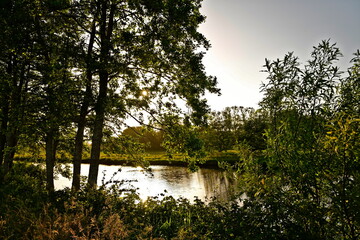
51,131
78,153
2,148
5,117
11,142
106,30
98,131
14,117
51,134
50,76
3,130
50,150
79,139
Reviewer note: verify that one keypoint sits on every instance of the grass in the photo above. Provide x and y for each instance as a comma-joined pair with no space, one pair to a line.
163,156
153,158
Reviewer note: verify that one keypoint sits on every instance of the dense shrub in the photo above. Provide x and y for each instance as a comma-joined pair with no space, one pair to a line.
271,212
29,212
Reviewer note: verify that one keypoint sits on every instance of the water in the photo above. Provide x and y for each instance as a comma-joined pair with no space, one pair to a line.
176,181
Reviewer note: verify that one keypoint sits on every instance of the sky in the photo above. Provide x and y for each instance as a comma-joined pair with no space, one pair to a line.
245,32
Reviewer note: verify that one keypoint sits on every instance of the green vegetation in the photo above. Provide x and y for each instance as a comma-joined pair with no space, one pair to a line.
72,72
78,69
30,212
162,158
304,184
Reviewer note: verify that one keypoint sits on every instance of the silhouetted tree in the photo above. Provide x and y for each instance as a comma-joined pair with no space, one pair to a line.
146,52
91,64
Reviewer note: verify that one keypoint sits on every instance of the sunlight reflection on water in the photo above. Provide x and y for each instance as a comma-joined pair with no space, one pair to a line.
177,181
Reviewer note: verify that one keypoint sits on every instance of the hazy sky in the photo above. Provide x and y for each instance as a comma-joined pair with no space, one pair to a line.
245,32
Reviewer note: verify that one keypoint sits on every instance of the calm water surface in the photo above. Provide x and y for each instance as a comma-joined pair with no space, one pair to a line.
176,181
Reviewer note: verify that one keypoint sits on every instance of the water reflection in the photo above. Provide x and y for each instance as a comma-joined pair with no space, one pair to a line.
176,181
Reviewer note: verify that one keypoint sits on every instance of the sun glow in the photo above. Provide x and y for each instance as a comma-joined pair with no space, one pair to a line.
144,93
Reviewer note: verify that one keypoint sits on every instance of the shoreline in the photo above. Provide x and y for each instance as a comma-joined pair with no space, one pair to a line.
175,163
213,164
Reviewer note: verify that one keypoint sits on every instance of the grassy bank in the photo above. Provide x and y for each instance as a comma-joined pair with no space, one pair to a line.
152,158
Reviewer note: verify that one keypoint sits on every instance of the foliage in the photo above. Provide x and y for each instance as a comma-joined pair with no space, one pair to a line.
181,138
107,213
233,126
86,65
79,68
151,138
306,184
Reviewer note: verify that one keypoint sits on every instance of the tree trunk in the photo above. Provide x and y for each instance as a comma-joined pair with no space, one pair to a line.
106,30
11,141
2,148
78,153
5,107
3,130
50,138
50,150
79,139
5,118
98,130
13,116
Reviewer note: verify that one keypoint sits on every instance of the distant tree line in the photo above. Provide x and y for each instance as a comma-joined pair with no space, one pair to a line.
233,126
225,130
145,139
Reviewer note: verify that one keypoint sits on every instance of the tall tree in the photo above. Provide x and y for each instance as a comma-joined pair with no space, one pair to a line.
88,58
350,88
140,47
15,67
106,29
131,57
54,41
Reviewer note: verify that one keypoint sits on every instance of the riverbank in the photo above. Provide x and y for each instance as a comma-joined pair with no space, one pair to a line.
119,162
28,211
151,158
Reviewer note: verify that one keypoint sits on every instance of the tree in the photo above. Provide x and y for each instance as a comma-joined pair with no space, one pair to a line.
235,125
107,60
54,41
16,74
86,97
350,88
152,139
150,46
252,130
38,88
305,184
224,126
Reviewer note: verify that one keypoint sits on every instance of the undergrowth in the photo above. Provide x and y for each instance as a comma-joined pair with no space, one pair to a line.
27,211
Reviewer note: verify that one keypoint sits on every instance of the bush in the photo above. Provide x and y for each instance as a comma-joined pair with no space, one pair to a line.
29,212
